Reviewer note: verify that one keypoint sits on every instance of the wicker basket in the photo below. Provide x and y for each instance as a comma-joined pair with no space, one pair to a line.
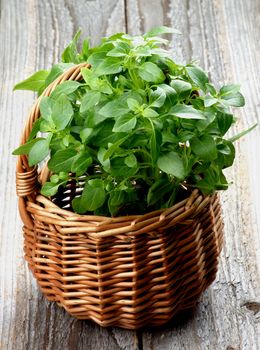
129,271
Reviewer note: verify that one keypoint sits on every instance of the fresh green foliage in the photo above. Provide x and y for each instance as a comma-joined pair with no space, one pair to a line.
35,82
136,129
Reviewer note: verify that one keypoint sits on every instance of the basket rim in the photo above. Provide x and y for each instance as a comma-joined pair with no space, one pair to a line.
47,202
45,211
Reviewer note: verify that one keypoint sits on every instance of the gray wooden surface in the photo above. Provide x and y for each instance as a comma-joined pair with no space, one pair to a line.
224,35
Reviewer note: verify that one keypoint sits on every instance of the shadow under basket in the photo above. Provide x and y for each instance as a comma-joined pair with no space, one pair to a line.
130,271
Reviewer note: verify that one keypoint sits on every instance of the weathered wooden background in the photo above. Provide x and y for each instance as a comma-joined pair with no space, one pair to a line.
224,35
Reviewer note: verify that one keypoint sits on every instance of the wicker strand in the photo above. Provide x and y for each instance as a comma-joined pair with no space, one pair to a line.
26,183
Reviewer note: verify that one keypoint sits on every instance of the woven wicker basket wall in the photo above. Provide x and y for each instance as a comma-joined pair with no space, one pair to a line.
128,271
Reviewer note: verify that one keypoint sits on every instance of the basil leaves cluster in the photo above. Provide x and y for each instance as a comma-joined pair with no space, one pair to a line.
135,130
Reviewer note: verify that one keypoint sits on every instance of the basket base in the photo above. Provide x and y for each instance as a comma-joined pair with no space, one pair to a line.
142,278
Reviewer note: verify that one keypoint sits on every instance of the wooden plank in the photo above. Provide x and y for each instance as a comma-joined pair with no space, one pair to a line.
223,35
33,34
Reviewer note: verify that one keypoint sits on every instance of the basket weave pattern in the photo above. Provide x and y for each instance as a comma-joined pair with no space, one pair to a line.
129,271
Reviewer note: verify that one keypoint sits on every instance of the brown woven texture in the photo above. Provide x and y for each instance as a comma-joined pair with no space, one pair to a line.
130,271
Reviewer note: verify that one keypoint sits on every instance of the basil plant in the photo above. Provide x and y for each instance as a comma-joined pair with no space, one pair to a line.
137,132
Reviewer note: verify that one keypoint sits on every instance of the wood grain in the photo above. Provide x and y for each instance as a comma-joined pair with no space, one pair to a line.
33,34
224,36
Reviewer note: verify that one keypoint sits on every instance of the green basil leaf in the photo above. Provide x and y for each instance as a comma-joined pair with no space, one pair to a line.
158,190
105,163
96,183
38,152
65,140
142,51
160,52
186,112
67,87
124,82
88,75
224,149
35,129
25,148
64,176
34,83
46,126
229,89
161,30
183,88
115,146
198,76
150,72
224,121
56,71
155,142
120,50
157,97
91,199
131,161
97,58
46,108
81,163
213,179
169,137
171,163
116,199
133,104
243,133
114,109
150,113
116,53
208,183
50,189
109,66
204,147
235,100
125,123
171,94
62,160
226,154
210,101
89,100
104,87
54,179
85,134
120,169
96,83
85,49
222,183
70,54
62,112
204,123
211,89
103,135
